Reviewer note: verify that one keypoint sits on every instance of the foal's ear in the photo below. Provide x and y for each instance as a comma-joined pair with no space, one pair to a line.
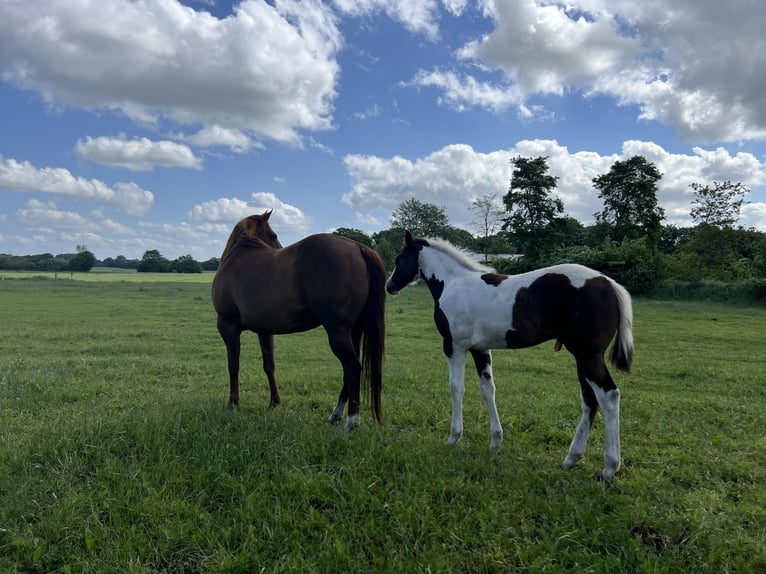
407,238
267,214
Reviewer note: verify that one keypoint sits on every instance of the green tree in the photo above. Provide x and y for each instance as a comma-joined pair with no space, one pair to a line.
531,206
355,234
420,219
718,206
82,262
629,192
388,244
185,264
153,262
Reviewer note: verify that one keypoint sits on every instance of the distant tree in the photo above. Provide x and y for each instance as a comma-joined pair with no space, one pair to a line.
185,264
388,244
153,262
211,264
355,234
420,219
459,237
531,206
718,206
488,220
82,262
629,191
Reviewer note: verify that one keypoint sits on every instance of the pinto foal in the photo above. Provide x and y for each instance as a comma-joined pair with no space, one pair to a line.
477,310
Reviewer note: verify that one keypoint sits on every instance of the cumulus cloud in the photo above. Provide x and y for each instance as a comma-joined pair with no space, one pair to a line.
140,154
682,67
285,217
266,69
417,16
211,136
23,176
457,174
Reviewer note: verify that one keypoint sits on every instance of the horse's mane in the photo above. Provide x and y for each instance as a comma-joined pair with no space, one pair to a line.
459,255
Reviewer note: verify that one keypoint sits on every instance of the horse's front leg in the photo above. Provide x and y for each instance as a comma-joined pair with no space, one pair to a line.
267,353
457,388
483,361
230,333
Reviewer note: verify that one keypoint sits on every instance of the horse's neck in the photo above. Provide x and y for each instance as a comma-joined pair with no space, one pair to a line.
441,265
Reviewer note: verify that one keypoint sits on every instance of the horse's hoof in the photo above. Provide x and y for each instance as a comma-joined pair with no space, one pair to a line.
497,439
454,438
570,461
333,419
352,423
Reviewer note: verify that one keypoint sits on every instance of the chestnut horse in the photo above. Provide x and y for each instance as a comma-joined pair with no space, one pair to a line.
324,279
477,310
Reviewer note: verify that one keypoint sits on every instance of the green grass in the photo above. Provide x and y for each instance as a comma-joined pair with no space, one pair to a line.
110,274
116,454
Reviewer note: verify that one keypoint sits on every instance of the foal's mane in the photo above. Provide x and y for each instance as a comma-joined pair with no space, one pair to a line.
459,255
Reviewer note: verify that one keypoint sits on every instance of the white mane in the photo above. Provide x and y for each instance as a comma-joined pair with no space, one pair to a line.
459,255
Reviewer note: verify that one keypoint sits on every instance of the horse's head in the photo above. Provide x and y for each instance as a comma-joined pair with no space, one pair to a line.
254,229
407,264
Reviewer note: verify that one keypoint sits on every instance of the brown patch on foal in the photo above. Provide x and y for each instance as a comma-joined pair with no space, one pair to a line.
493,279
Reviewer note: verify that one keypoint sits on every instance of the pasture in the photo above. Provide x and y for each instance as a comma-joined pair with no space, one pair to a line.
117,454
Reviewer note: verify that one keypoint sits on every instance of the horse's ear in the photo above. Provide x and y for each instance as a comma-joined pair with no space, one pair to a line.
407,238
267,214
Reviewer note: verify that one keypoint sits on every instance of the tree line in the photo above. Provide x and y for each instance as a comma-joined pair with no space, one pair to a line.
629,239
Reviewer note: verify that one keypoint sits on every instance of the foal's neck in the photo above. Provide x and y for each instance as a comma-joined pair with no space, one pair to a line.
438,265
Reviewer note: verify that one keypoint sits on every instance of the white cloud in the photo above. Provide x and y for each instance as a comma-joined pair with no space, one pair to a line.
140,154
216,135
417,16
285,217
456,175
681,66
265,69
23,176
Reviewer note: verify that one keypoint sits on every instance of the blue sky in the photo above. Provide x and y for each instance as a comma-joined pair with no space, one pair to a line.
157,124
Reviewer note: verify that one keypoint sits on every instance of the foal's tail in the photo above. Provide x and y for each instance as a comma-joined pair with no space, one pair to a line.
622,349
374,331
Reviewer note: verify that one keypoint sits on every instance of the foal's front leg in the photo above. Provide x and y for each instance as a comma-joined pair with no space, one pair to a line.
457,388
483,361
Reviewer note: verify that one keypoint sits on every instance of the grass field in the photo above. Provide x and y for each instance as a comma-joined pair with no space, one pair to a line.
116,454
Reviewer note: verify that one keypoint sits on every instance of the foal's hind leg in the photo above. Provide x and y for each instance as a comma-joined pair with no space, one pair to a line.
483,361
267,353
580,440
598,389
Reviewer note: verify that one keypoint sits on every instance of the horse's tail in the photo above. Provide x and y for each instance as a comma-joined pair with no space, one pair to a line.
622,349
374,330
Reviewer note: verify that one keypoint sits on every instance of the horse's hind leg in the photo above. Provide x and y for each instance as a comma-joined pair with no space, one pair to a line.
594,375
580,440
230,333
483,361
343,348
267,353
337,413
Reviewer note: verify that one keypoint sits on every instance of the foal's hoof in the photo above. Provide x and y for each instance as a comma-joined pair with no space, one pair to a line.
454,438
334,419
352,423
570,461
497,439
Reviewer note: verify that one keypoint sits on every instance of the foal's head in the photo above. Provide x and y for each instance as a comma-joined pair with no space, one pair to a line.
407,265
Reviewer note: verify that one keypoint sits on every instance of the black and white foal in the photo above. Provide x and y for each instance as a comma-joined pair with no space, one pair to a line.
477,310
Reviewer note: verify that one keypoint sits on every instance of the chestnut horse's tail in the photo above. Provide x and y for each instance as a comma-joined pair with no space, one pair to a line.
622,349
374,330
